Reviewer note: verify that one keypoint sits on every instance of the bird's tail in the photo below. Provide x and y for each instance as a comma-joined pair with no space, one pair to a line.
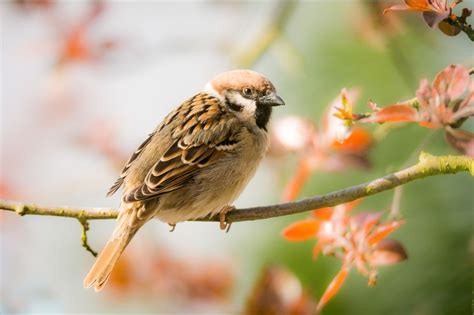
108,257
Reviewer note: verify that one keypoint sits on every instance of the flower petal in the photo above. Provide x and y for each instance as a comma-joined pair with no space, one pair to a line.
292,133
469,100
388,252
333,287
423,94
383,231
371,220
317,249
365,221
373,106
393,113
338,118
296,183
323,213
352,204
430,124
399,7
432,18
358,141
420,5
461,140
301,230
453,81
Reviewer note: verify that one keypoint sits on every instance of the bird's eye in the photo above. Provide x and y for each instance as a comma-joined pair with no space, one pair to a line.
247,91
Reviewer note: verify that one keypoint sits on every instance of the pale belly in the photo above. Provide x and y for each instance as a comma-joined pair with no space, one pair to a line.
212,189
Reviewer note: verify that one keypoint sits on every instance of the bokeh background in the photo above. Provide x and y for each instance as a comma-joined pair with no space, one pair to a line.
84,82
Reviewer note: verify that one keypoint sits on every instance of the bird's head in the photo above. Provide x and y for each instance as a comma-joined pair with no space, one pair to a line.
247,94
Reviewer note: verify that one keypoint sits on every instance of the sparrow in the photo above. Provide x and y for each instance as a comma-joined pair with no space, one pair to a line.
195,163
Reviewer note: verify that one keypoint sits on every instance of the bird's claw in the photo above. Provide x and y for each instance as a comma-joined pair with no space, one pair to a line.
222,222
172,226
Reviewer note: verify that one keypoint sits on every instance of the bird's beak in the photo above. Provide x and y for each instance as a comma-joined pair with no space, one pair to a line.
271,99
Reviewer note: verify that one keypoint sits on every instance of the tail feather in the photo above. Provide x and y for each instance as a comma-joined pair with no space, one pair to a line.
100,271
130,219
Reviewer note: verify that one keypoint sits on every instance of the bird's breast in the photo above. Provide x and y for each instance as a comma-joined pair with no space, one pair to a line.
216,185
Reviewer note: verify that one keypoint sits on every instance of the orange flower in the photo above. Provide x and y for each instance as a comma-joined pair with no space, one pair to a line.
435,12
336,146
358,240
440,102
445,103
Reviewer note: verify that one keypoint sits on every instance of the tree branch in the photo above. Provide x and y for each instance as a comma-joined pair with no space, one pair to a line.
428,165
66,212
461,23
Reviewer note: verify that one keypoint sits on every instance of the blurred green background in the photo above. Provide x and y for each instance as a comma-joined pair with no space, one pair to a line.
320,47
437,277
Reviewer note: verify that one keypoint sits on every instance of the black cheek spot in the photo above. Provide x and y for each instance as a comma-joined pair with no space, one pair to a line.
233,106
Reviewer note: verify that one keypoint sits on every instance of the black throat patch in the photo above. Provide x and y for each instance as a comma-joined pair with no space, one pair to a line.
262,115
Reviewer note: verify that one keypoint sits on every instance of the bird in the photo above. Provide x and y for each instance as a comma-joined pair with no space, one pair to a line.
195,163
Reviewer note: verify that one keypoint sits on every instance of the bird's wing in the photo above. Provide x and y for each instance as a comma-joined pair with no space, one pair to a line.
172,117
129,163
205,133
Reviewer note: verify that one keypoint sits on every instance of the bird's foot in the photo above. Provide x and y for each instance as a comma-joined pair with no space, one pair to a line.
172,226
223,224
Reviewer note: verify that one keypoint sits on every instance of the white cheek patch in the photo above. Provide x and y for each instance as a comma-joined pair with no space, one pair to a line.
209,89
248,106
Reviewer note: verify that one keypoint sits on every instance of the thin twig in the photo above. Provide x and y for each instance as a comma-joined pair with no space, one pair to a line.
269,34
394,213
461,23
397,192
427,166
84,242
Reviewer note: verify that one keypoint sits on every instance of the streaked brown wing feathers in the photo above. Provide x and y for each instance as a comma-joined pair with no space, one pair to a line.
134,156
199,140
